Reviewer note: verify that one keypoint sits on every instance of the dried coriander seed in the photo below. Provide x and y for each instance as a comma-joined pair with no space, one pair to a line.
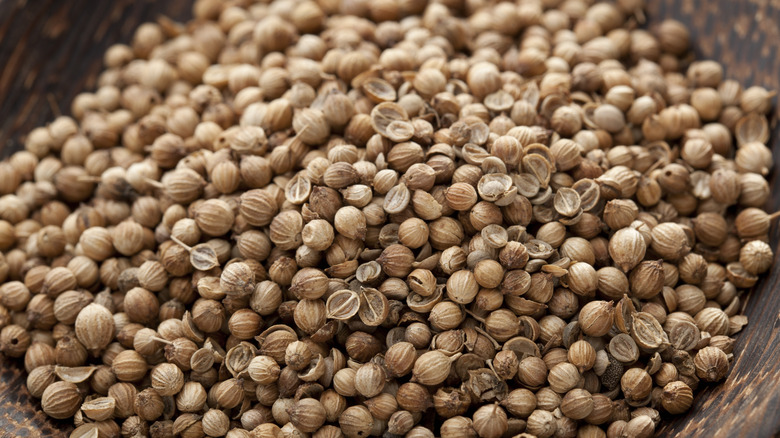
677,397
94,327
315,226
490,421
711,363
596,318
61,400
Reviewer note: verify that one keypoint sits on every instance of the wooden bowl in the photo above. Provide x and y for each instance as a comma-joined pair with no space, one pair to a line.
51,50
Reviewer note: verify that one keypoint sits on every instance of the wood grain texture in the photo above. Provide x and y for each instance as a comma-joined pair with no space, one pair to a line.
51,50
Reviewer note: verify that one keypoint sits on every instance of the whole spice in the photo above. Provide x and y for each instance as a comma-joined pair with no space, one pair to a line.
400,358
677,397
541,423
61,400
307,415
356,421
369,380
577,404
490,421
129,366
373,214
167,379
711,363
636,384
432,368
596,318
39,379
94,327
215,423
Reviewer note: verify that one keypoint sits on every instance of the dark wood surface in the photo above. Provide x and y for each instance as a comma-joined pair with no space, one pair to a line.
52,49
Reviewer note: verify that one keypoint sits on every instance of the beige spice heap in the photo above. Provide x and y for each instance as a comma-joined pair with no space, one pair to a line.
397,218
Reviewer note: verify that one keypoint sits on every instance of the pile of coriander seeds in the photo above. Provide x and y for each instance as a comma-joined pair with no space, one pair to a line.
391,218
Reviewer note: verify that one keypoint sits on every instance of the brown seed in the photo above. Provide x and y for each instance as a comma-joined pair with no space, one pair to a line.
710,228
432,368
684,335
307,415
167,379
627,248
624,349
396,260
297,356
620,213
129,366
99,409
641,426
582,355
148,404
40,378
502,325
215,422
677,397
237,278
541,423
670,241
191,398
317,234
61,400
596,318
583,279
711,363
567,201
94,327
214,217
142,305
647,279
490,421
756,257
488,273
356,421
364,190
369,380
461,196
462,287
397,199
636,384
245,324
400,358
563,377
577,404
